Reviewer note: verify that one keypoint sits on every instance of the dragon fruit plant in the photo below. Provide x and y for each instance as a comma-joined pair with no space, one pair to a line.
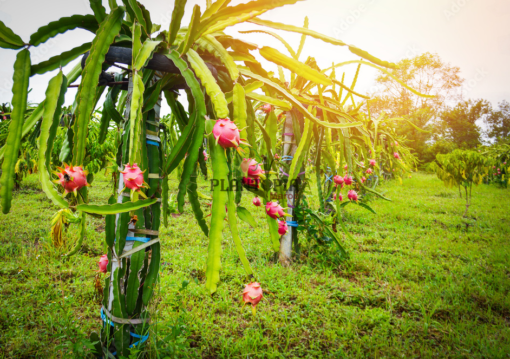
197,56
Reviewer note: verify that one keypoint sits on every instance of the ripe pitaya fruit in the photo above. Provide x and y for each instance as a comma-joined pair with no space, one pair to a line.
396,155
252,168
282,228
252,171
339,180
226,133
504,163
396,143
72,178
276,156
353,196
251,182
274,210
266,108
369,171
133,177
346,167
372,163
252,294
347,180
257,202
340,197
103,263
363,179
205,156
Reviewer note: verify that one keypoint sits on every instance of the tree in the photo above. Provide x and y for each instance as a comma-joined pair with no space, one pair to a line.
462,168
498,123
428,74
459,124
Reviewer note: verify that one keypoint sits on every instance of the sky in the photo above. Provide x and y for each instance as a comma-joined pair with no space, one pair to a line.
471,34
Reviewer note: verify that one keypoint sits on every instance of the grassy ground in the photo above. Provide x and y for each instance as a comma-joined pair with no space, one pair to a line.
420,283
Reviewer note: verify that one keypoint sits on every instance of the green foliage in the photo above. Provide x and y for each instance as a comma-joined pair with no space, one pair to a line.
461,167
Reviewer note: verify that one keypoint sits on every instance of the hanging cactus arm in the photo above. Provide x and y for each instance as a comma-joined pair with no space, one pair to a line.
109,28
19,102
55,97
220,198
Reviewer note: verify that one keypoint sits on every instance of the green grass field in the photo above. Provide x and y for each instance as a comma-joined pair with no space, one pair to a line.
421,282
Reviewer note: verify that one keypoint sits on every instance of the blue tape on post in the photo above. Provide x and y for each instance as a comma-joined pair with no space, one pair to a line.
143,338
292,224
138,239
287,158
329,178
154,143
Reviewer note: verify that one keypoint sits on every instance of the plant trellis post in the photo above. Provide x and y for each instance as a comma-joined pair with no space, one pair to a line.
289,150
133,272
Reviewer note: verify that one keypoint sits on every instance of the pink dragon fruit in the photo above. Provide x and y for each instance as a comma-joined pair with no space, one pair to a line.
396,143
72,178
369,171
226,133
339,180
282,228
340,197
251,182
133,177
372,163
274,210
346,167
257,202
103,264
266,108
252,171
396,155
252,294
347,180
504,163
205,156
276,156
363,179
255,170
353,196
494,167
